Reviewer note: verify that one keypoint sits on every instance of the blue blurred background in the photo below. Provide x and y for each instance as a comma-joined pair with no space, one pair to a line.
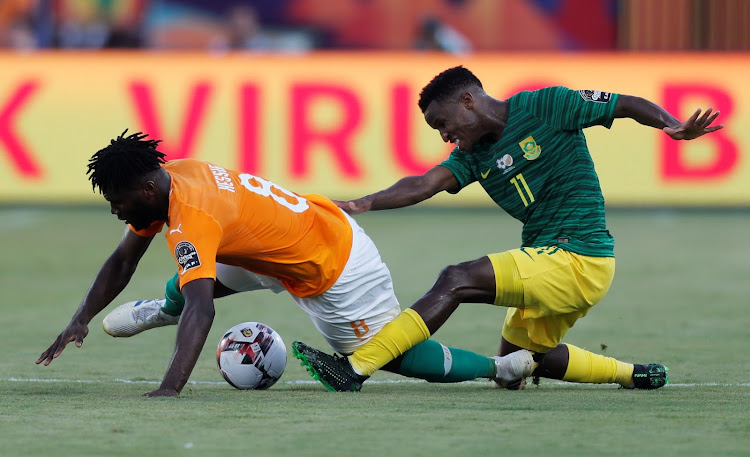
457,26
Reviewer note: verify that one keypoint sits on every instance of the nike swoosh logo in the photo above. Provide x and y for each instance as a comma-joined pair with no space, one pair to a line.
487,173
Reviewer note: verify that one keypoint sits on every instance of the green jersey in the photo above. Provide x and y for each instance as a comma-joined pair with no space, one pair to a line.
540,170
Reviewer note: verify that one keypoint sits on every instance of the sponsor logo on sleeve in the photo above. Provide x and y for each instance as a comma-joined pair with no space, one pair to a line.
187,256
595,96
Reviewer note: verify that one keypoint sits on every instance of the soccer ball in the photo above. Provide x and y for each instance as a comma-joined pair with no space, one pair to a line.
251,355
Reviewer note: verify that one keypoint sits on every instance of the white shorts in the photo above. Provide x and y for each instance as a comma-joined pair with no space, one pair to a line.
354,309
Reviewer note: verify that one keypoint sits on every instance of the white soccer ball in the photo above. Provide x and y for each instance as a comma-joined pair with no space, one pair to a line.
251,355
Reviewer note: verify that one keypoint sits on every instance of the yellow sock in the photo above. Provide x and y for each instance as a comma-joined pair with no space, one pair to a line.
396,337
585,366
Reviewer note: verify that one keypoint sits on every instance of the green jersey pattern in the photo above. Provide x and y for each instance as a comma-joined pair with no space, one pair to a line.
540,170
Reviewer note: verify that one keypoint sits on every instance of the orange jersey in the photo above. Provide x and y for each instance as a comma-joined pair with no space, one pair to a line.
220,215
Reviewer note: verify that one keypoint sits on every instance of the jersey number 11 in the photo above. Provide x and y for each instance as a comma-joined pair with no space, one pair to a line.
519,179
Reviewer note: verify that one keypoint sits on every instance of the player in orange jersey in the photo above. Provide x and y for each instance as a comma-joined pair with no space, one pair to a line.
232,232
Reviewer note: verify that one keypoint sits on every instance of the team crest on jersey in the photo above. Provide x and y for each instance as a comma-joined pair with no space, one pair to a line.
187,256
595,96
531,150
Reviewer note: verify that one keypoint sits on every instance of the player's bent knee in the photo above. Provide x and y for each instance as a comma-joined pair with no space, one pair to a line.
453,279
450,277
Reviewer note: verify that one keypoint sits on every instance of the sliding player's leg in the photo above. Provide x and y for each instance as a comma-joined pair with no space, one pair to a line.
544,321
587,367
570,363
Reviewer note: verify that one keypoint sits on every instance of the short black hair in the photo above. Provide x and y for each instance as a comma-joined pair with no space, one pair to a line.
121,164
446,84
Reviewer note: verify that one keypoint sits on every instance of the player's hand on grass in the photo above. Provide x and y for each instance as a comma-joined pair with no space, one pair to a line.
76,331
354,207
162,392
695,126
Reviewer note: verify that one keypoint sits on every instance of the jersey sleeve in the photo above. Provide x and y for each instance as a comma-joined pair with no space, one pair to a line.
565,109
458,164
193,238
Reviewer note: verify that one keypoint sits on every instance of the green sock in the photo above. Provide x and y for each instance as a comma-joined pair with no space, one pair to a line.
435,362
174,299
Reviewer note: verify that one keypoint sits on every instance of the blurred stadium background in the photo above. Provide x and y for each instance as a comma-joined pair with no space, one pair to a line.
320,96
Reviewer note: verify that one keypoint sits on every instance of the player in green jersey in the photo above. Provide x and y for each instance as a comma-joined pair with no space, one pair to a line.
530,155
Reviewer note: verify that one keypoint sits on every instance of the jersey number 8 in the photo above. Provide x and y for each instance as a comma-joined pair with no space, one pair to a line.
268,189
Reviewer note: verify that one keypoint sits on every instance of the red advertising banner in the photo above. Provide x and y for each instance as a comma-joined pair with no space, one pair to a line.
346,124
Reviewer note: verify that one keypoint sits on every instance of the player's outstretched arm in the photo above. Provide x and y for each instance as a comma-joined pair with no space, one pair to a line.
112,278
406,192
192,332
651,114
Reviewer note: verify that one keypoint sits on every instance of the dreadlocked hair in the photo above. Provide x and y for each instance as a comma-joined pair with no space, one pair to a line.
122,163
446,84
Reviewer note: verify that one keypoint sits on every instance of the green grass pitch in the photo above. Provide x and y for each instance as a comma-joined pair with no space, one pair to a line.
680,296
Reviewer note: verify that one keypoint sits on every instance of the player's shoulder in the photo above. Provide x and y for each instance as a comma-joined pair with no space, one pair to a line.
190,178
540,100
544,92
188,170
183,164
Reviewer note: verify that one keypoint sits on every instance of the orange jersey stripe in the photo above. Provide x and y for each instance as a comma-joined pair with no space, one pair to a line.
220,215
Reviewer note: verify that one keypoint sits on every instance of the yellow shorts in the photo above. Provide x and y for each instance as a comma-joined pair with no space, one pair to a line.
546,291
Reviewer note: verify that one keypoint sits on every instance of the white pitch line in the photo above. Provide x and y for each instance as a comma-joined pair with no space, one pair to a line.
372,382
